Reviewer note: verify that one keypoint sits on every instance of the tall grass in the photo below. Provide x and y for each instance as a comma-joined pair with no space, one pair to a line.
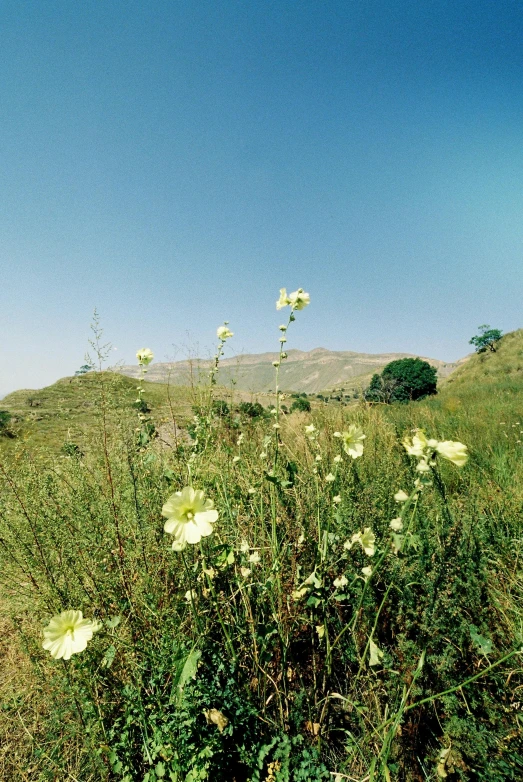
304,639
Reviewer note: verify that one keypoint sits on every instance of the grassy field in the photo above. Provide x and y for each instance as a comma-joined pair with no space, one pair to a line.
305,638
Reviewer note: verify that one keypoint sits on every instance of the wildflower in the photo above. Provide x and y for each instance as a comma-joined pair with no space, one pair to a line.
299,299
337,459
283,339
255,558
337,499
352,440
144,356
239,441
223,333
320,629
190,595
245,571
375,654
417,447
310,429
396,524
211,572
339,582
263,455
454,452
68,633
283,301
215,717
401,496
283,327
366,539
423,466
313,580
189,517
330,478
367,571
276,363
318,458
251,490
299,593
235,459
276,426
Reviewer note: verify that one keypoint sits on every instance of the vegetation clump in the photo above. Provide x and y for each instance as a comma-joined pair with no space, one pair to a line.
403,380
487,339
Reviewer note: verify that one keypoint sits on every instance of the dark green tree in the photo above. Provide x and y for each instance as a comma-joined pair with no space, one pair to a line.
374,393
408,379
487,339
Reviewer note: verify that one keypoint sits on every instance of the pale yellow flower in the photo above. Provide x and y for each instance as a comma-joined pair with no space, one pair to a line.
352,440
401,496
299,299
366,539
283,301
367,571
454,452
68,633
299,593
339,582
337,459
223,333
320,629
245,571
190,596
330,478
190,517
337,499
396,524
144,356
375,654
310,429
215,717
418,446
255,558
244,546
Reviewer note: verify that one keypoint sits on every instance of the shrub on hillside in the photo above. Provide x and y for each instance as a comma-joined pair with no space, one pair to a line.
301,404
404,380
486,339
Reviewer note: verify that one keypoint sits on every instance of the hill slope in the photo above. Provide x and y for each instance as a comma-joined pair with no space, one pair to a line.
505,365
311,371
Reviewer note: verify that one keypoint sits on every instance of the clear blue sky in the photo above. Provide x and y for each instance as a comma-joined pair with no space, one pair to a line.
173,164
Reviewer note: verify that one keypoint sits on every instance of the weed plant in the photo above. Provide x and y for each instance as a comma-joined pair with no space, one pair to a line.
351,611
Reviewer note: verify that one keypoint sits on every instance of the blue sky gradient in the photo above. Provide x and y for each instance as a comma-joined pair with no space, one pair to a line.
173,164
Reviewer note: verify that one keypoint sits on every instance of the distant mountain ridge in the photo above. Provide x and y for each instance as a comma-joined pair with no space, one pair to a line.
310,371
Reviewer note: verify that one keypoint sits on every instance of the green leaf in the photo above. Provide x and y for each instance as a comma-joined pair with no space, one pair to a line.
108,657
160,769
484,645
189,669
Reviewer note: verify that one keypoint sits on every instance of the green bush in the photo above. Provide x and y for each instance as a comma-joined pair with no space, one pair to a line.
301,404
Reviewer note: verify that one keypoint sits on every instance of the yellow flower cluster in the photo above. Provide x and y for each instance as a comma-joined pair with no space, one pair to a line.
426,451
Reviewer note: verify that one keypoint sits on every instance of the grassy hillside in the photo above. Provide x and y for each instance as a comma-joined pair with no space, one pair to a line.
68,409
303,638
